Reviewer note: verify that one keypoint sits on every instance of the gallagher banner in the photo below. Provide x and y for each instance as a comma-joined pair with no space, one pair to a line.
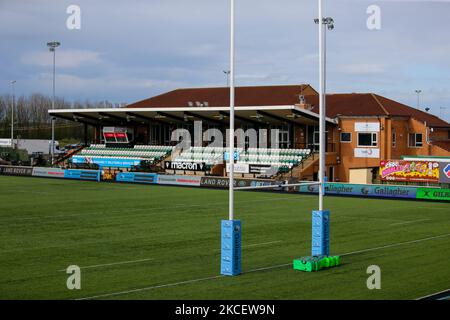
409,171
364,190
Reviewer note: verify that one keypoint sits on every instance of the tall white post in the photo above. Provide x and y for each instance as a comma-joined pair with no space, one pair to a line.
53,107
13,98
231,140
321,108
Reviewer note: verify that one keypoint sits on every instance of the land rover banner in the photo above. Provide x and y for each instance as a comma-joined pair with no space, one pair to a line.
409,171
188,166
220,182
16,171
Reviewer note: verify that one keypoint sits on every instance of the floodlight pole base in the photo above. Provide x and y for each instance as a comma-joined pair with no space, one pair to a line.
231,247
320,233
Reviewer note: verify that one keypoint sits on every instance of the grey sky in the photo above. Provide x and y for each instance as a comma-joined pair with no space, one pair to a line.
130,50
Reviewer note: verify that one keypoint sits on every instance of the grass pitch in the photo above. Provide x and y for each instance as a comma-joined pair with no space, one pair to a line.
156,242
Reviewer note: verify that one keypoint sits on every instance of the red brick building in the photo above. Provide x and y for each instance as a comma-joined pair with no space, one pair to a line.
362,129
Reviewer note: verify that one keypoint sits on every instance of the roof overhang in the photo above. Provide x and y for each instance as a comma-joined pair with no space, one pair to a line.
219,115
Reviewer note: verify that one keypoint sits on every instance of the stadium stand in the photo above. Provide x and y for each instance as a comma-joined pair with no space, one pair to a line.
285,159
139,152
208,155
275,157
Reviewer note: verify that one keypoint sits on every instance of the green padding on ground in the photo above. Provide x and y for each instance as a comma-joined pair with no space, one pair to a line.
316,263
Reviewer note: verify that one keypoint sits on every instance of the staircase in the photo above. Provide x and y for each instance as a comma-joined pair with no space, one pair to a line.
68,155
298,171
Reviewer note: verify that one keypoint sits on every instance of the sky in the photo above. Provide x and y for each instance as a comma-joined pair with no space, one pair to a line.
126,51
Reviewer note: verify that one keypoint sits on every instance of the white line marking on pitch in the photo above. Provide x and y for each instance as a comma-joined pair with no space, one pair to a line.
261,244
396,244
253,270
154,287
433,294
408,222
143,260
111,264
256,245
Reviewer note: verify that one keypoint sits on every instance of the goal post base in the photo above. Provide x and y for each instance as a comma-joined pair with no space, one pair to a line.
320,245
316,263
231,247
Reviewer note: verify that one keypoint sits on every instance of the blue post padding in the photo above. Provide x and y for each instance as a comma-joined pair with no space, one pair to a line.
231,243
320,233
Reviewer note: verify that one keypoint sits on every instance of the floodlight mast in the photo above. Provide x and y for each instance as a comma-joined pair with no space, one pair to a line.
13,98
418,98
329,22
232,96
227,73
52,45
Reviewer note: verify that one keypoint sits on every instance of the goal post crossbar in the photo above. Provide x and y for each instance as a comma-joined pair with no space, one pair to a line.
281,185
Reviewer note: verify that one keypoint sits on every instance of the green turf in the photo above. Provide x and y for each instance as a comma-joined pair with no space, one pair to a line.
47,225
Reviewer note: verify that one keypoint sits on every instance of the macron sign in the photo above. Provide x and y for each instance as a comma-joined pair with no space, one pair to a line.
188,166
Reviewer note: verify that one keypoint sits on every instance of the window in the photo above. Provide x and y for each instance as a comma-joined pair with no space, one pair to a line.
316,140
415,140
394,140
346,137
367,139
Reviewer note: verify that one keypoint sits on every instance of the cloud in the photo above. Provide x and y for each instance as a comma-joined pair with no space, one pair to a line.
361,68
130,50
110,87
64,58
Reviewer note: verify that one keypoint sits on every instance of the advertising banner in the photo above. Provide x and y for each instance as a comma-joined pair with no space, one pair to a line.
48,172
189,166
16,171
367,153
409,171
239,168
433,194
193,181
367,126
107,162
82,174
364,190
138,177
222,182
444,172
266,169
226,155
5,143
